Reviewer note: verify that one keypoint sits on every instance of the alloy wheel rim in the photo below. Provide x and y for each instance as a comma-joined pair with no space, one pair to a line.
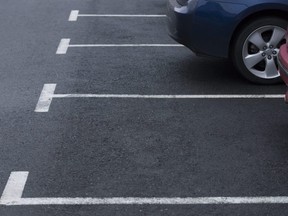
260,51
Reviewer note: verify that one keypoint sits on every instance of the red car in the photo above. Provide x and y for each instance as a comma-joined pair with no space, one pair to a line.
283,64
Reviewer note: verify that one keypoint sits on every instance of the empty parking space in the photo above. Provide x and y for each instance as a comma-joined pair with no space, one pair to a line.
130,144
166,142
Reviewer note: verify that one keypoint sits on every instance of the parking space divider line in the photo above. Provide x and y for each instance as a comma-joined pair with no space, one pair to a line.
75,14
125,45
48,90
148,201
122,15
12,196
275,96
153,201
65,44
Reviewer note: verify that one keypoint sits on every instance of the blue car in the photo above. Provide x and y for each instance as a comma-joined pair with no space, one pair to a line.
249,32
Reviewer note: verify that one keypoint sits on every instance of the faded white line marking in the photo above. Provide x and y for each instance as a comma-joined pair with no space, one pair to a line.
45,98
123,15
166,96
47,95
14,187
126,45
12,196
150,201
63,46
73,15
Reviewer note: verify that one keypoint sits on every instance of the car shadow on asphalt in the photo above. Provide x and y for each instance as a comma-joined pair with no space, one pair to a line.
220,75
210,70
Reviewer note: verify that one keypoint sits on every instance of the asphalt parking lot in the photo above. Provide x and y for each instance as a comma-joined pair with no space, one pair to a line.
131,123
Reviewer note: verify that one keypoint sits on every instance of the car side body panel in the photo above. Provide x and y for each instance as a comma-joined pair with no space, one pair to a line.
209,27
215,23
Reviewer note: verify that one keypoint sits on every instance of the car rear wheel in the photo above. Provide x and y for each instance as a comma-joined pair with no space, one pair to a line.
256,47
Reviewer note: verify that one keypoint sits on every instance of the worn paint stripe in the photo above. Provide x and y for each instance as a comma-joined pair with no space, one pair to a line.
14,187
260,96
12,195
123,15
45,98
151,201
63,46
73,15
125,45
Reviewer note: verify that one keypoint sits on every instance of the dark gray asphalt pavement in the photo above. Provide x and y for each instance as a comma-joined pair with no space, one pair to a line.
87,147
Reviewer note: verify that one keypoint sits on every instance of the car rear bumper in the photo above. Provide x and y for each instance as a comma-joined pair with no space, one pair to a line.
179,23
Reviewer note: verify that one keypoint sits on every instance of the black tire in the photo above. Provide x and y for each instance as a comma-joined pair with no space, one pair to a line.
242,47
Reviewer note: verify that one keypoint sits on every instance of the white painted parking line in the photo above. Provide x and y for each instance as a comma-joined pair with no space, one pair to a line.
75,14
125,45
65,44
14,187
135,96
45,98
12,196
47,95
148,201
